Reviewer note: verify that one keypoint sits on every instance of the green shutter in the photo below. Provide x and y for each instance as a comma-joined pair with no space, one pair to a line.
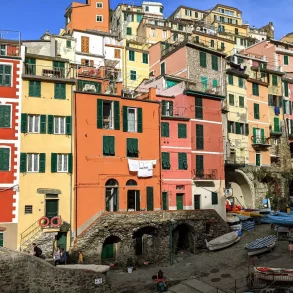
163,71
145,58
256,111
116,115
100,113
240,82
212,43
280,101
171,112
286,60
262,135
137,200
43,124
182,133
132,147
275,79
254,134
241,102
23,123
286,89
60,91
70,163
5,116
276,124
4,159
125,119
164,201
106,149
231,100
257,159
53,162
50,124
42,163
139,120
198,108
203,59
270,100
35,89
111,141
290,108
182,161
165,129
150,198
131,55
238,128
199,137
246,129
230,79
164,107
255,90
22,166
215,62
199,165
1,239
214,198
129,31
166,161
215,83
68,125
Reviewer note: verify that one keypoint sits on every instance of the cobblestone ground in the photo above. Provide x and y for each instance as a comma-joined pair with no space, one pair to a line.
220,269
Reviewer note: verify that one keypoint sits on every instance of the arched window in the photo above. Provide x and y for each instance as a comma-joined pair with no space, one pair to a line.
131,183
112,183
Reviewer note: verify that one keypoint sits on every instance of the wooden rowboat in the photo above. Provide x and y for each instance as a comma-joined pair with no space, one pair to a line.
274,274
223,241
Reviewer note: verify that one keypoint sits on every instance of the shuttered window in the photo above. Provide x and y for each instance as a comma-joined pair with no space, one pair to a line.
167,108
276,124
182,161
34,89
145,58
256,111
275,79
241,102
85,44
129,31
131,55
150,198
214,198
132,148
60,91
286,60
255,89
215,62
230,79
5,75
33,162
203,59
1,239
199,137
165,132
182,132
212,43
286,89
4,159
231,100
163,68
240,82
132,75
166,161
61,163
109,145
198,108
199,164
246,129
5,116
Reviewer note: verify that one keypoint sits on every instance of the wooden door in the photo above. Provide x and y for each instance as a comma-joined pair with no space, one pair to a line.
51,208
179,201
197,201
62,240
165,201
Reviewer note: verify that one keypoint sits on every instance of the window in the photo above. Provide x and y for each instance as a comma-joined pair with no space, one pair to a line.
215,83
132,119
212,43
60,91
161,9
286,60
165,132
197,39
5,75
204,83
199,137
5,116
255,90
85,41
231,100
68,44
180,27
198,108
166,161
203,59
2,50
131,55
153,32
182,161
62,163
175,37
129,31
230,79
236,31
34,89
99,18
163,68
222,46
215,62
107,111
138,17
182,130
109,145
240,82
275,79
167,108
132,148
59,125
1,239
99,5
132,75
33,162
214,198
199,163
286,89
241,102
4,159
147,8
33,123
164,34
256,111
171,83
117,53
258,159
145,58
187,12
196,14
28,209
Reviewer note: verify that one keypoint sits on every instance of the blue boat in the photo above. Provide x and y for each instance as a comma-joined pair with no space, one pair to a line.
261,245
283,214
279,220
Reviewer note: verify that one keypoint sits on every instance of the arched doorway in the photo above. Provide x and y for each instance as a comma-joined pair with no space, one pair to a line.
144,240
110,247
133,196
183,238
111,195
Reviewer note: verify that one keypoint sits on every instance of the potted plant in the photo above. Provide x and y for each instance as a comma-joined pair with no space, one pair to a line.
129,265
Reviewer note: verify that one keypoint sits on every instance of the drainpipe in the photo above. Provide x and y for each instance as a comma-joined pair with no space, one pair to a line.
71,151
75,163
160,156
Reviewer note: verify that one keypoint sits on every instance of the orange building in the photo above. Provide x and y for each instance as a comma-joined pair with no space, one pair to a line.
90,15
117,154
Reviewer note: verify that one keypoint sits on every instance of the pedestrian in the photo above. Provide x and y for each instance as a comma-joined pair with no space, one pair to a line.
37,250
64,256
80,257
57,257
290,248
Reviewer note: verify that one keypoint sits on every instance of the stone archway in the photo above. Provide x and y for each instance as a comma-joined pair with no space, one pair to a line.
183,238
243,188
110,248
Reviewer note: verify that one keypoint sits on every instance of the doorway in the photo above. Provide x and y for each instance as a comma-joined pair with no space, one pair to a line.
133,200
111,190
52,208
179,201
62,240
197,201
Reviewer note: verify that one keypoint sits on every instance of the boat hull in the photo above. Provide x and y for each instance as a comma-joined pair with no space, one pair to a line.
274,274
222,246
261,250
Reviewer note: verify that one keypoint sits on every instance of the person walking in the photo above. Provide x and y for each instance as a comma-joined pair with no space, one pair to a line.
57,257
290,248
80,257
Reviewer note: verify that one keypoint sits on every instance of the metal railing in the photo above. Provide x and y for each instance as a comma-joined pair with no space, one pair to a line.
31,231
9,50
47,71
258,140
235,160
204,174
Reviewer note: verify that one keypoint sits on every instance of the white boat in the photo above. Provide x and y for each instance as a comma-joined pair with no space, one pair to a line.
223,241
274,274
234,222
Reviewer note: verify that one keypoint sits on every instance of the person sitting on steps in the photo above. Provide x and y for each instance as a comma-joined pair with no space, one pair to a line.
37,250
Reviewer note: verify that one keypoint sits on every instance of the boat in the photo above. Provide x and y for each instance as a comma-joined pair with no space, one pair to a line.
274,274
261,245
279,220
241,217
248,225
249,213
223,241
283,214
234,223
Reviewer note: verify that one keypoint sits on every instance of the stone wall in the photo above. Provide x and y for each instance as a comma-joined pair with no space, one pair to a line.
20,272
159,225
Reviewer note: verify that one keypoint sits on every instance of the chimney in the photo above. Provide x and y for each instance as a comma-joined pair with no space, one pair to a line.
152,94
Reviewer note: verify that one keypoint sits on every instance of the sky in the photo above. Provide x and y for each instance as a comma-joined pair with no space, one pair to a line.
32,18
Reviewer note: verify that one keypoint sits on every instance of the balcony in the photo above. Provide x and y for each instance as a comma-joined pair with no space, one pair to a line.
276,130
284,51
47,71
235,162
260,142
98,73
205,174
89,86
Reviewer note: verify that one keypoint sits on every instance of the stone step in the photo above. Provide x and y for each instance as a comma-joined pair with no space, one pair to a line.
200,286
180,288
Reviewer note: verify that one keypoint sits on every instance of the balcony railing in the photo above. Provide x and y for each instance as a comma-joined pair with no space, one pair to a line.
261,141
237,161
47,71
9,50
204,174
98,73
89,86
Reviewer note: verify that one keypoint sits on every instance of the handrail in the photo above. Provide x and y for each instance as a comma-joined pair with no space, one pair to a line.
29,232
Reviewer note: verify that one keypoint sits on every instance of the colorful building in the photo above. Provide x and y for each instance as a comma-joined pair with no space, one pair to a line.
117,170
46,159
11,60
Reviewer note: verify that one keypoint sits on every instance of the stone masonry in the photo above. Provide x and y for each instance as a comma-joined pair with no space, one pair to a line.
198,225
24,273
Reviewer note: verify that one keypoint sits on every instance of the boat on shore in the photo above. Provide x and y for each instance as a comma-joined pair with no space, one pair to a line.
281,220
261,245
274,274
234,223
223,241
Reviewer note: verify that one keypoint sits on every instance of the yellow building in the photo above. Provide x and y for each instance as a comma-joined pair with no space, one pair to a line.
187,13
46,166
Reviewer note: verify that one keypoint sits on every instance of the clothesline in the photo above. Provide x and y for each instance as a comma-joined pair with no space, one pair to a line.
144,168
